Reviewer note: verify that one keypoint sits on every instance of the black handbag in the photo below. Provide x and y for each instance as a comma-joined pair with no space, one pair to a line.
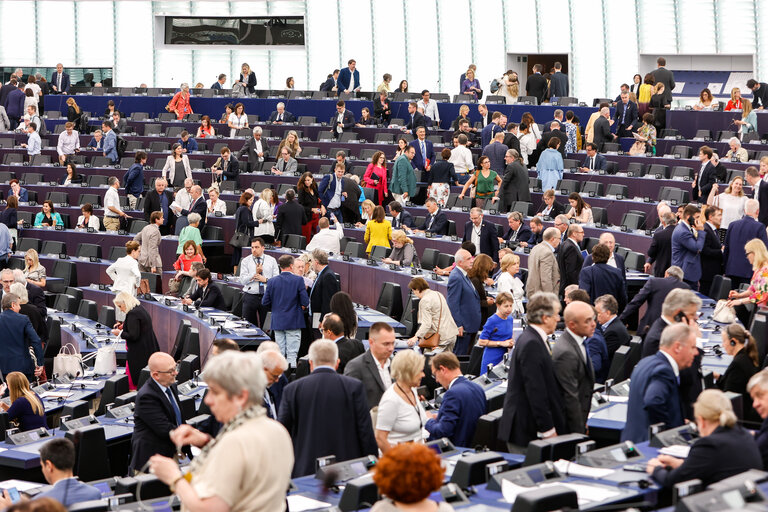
240,240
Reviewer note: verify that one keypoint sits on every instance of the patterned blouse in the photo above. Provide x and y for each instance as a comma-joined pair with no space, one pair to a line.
570,131
649,132
758,288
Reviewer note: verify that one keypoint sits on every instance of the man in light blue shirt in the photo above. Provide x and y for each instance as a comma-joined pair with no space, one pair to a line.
5,245
110,141
57,460
34,144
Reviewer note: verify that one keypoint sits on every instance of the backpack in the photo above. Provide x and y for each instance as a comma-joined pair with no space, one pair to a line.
82,124
495,86
121,145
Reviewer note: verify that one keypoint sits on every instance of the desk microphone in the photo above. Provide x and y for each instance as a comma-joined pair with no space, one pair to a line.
329,482
60,399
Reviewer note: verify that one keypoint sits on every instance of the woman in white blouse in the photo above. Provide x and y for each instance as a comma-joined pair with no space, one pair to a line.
237,120
527,142
214,203
124,272
731,201
507,282
263,211
401,418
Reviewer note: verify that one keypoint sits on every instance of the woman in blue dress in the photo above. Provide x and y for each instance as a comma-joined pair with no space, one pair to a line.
550,165
497,336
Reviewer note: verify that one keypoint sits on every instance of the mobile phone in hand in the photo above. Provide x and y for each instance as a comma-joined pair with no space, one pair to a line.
14,494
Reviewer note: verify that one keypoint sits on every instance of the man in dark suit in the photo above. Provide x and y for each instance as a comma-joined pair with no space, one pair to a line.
614,260
510,137
533,405
602,128
594,161
157,413
514,185
536,85
680,305
372,367
687,241
557,118
120,124
197,206
325,286
558,82
737,266
712,253
573,366
463,402
653,292
464,302
281,115
256,148
341,121
60,81
331,84
207,294
219,83
159,200
18,336
326,413
537,233
517,232
291,216
349,78
665,76
554,132
569,258
424,150
437,221
654,396
485,116
382,108
287,294
275,366
400,218
415,119
614,332
331,190
759,93
660,251
332,329
602,279
759,192
482,234
706,176
625,116
495,126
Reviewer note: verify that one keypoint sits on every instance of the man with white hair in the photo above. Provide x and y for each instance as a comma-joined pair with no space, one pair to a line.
653,293
736,151
281,115
35,294
737,265
326,413
543,270
60,80
602,128
256,148
464,302
275,366
615,261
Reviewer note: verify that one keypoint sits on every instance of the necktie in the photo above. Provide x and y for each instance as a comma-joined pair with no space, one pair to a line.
424,153
591,163
623,114
270,406
280,117
58,82
431,218
411,120
261,285
175,406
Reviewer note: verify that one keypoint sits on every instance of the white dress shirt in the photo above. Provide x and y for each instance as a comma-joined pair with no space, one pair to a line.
183,199
476,237
93,222
675,368
579,342
461,158
269,269
327,239
430,109
386,378
68,143
335,201
111,198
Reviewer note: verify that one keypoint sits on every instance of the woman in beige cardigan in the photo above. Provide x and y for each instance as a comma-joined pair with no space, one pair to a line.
149,237
173,164
434,316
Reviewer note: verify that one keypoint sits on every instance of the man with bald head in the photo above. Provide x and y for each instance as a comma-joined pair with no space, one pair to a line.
543,271
275,366
157,412
464,302
196,205
573,365
615,260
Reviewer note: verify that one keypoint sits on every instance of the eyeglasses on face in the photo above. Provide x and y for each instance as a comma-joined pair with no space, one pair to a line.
172,371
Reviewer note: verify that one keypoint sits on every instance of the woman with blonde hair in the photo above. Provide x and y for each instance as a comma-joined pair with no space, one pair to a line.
471,85
757,293
510,87
73,110
366,209
463,115
36,318
26,407
247,78
731,201
659,107
401,417
215,204
378,230
748,121
179,104
138,333
434,317
263,213
738,343
507,282
403,252
34,272
724,448
291,141
735,103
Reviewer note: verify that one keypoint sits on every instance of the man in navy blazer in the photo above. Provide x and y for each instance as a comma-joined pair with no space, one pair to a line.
463,402
197,206
518,231
287,294
424,150
330,83
342,120
60,81
326,413
533,404
601,279
737,266
331,190
712,253
400,218
482,234
491,129
569,257
614,260
349,78
219,83
281,115
625,115
653,293
759,192
415,119
687,242
706,176
436,222
18,335
594,161
654,396
660,251
464,302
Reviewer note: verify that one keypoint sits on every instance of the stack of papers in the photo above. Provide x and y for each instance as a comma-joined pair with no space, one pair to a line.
566,467
676,450
299,503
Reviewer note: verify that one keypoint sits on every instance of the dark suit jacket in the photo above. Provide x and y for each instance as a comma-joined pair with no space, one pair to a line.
653,292
576,378
616,335
154,419
739,233
653,398
512,142
37,298
598,353
603,279
489,241
152,204
418,120
462,406
630,117
65,83
210,298
533,402
600,162
348,121
711,256
326,414
620,265
557,209
140,340
602,132
287,117
705,180
570,260
382,110
558,84
200,208
17,335
345,79
536,86
546,137
439,225
653,337
724,453
327,188
762,198
514,186
668,79
286,293
404,219
349,349
735,379
762,441
290,218
326,286
363,368
327,85
249,148
660,251
523,234
418,161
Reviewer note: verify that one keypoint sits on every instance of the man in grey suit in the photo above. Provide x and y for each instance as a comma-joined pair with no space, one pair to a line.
665,76
543,271
573,366
372,367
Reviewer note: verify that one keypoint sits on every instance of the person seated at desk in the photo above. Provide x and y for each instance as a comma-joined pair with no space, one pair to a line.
286,163
188,144
26,407
739,343
436,222
403,252
724,448
549,207
57,462
88,219
71,176
17,190
365,118
97,141
594,161
48,217
281,115
34,272
183,264
207,294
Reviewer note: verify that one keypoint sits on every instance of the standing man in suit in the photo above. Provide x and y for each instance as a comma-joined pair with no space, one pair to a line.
332,329
665,76
255,271
287,295
558,82
332,193
680,305
326,413
654,396
660,251
18,336
415,119
280,115
536,85
197,206
342,120
60,80
157,412
463,402
482,234
614,332
325,286
625,116
543,270
760,192
219,83
614,260
207,294
557,117
331,84
424,156
533,405
496,152
602,128
514,184
594,161
687,242
437,221
275,367
653,293
372,367
401,219
510,137
573,365
349,78
737,266
569,258
707,176
602,279
464,302
403,183
291,216
485,116
257,150
712,253
491,129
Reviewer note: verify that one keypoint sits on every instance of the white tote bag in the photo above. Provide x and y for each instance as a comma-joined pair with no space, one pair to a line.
68,362
106,360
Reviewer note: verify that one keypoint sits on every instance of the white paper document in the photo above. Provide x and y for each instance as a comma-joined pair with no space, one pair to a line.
299,503
586,493
676,450
566,467
21,485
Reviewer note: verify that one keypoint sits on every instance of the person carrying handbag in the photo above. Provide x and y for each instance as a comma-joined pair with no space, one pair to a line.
437,331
